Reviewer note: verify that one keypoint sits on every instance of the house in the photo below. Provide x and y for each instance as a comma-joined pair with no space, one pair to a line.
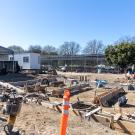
4,52
27,61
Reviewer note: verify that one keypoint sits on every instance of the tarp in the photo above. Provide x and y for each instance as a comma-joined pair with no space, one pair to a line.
5,51
101,83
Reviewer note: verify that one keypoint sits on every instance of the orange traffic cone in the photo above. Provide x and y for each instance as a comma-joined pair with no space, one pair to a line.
65,112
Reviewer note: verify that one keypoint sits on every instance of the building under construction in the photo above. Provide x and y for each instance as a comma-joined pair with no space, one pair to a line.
74,61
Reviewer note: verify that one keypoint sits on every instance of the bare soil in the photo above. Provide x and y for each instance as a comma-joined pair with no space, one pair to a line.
38,120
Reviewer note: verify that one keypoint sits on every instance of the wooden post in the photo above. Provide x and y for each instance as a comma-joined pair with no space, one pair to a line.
112,122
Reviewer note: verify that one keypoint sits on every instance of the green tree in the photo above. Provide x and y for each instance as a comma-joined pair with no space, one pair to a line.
16,49
125,39
121,55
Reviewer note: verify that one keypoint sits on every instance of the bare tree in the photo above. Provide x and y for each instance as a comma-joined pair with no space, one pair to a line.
35,49
125,39
16,48
69,48
49,50
94,47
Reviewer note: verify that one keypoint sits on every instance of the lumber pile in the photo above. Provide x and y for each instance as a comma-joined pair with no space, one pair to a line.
74,89
35,88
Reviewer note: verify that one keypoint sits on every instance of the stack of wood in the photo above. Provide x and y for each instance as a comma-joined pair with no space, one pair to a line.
35,88
74,89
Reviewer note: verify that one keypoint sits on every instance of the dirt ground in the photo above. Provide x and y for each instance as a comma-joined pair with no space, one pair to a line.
38,120
92,76
16,77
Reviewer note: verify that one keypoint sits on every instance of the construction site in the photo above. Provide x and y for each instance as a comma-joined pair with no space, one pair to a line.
33,104
67,67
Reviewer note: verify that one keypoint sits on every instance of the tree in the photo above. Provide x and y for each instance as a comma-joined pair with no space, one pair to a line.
121,55
35,49
69,48
125,39
49,50
16,49
94,47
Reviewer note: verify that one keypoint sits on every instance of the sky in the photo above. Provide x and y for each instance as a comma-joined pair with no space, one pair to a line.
52,22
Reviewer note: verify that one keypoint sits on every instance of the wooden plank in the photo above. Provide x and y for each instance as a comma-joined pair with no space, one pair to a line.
92,112
128,120
125,127
117,117
101,119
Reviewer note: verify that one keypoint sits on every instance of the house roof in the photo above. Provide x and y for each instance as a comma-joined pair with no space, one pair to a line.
5,51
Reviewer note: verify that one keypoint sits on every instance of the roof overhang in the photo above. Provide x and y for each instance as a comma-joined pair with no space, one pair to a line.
5,51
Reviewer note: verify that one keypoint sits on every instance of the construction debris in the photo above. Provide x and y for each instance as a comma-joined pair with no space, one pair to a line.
109,98
84,109
9,86
35,98
95,113
43,90
73,89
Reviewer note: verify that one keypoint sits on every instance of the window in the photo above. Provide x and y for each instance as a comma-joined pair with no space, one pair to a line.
26,59
11,58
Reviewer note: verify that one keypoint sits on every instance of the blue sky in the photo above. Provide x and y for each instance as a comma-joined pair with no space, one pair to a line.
43,22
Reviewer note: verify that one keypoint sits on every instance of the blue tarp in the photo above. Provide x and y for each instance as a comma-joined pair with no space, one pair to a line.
101,83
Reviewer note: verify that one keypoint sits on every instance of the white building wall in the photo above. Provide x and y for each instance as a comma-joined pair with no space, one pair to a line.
33,63
19,58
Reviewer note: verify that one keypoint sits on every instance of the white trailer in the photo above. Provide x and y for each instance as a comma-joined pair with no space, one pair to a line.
27,61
